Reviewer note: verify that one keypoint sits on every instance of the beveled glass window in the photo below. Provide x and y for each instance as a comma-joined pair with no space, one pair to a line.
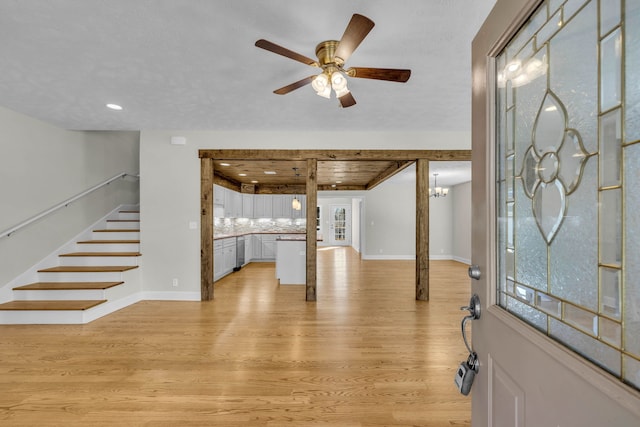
568,178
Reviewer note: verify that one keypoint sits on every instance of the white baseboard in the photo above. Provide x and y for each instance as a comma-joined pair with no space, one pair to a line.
462,260
171,296
389,257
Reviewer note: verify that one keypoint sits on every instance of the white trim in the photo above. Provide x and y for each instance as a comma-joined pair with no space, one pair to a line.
171,296
31,274
462,260
389,257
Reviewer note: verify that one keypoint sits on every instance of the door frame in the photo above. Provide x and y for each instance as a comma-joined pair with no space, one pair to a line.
420,157
348,224
564,371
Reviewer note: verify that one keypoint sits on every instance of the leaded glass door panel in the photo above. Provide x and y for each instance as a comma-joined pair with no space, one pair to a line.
556,146
340,225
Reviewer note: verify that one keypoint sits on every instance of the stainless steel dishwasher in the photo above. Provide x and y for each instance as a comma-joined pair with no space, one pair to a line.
239,253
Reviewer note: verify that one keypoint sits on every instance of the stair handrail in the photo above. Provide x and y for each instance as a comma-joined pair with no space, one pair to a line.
8,232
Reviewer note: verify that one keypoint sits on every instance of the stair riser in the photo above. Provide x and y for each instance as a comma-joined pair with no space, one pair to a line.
80,277
115,235
41,317
120,225
108,247
40,295
128,216
101,261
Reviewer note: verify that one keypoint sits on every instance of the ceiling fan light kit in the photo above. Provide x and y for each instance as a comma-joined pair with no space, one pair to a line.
332,55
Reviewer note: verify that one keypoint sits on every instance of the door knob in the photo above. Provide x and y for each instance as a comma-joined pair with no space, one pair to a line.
474,272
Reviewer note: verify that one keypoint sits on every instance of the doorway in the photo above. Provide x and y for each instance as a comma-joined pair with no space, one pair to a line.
339,225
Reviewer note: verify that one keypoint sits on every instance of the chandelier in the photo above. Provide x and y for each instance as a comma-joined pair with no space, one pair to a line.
437,191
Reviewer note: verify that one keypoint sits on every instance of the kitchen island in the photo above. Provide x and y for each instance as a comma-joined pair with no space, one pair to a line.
291,259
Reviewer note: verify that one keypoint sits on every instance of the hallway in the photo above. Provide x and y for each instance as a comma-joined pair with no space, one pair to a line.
365,354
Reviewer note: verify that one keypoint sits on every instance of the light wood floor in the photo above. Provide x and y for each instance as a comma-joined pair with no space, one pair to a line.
365,354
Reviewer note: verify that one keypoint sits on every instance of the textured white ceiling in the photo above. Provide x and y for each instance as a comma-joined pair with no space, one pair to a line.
192,64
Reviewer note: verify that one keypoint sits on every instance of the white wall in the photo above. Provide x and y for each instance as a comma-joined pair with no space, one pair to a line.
170,187
390,219
441,226
461,233
42,165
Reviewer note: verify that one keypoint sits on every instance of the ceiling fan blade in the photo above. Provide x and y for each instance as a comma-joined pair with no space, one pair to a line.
356,31
390,74
347,100
293,86
272,47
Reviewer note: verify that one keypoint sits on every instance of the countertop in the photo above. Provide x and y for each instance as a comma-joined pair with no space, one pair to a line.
226,236
297,238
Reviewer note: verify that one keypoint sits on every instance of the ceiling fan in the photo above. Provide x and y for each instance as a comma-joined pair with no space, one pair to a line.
332,56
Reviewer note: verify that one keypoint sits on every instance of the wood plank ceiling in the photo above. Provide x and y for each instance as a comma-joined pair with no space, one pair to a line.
289,176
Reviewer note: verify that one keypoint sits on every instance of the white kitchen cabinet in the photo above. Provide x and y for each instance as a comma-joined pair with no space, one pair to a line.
247,206
281,206
268,247
218,195
256,247
232,204
262,206
229,247
218,260
248,249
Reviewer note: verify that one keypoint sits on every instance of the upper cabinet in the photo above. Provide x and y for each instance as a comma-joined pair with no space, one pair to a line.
232,204
262,206
218,194
247,205
239,205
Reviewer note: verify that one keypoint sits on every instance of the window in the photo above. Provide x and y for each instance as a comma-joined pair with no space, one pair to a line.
568,173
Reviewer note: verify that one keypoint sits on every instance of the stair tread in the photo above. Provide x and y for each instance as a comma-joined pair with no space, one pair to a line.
120,230
50,286
88,269
51,305
108,241
99,254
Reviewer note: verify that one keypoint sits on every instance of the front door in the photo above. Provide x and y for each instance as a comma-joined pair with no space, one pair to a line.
340,225
555,228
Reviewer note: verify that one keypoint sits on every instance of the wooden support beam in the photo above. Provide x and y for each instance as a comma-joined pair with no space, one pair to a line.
312,244
388,173
206,229
320,155
280,189
422,230
226,182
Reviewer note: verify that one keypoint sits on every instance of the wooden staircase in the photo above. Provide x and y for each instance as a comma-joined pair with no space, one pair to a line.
93,279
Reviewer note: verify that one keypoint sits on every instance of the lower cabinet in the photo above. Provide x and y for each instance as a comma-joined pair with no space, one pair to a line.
257,247
248,250
268,247
229,255
218,260
224,257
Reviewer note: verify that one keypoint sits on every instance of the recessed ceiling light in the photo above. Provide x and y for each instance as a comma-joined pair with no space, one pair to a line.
114,107
270,172
254,181
225,164
242,174
338,182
